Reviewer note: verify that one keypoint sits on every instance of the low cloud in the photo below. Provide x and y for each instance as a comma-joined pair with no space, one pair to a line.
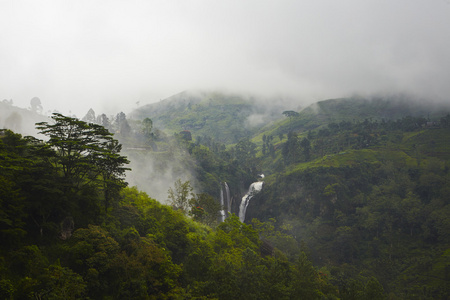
78,55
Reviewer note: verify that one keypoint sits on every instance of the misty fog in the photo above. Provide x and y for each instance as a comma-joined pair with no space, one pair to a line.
284,55
77,55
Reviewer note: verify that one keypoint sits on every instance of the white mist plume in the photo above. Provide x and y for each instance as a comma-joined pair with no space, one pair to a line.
155,175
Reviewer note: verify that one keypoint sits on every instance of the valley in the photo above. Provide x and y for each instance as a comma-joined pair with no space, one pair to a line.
353,203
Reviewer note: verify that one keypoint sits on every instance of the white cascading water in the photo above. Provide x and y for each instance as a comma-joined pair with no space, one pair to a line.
254,189
222,211
225,202
227,197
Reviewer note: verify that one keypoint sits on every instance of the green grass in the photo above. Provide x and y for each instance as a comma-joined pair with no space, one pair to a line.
431,142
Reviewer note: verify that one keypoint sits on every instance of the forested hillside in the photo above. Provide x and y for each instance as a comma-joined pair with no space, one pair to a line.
368,202
227,117
71,229
361,183
354,205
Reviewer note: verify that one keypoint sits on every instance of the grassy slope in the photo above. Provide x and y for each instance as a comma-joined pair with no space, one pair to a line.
431,144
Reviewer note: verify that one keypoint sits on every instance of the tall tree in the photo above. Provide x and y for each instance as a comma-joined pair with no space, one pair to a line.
76,142
111,164
85,152
147,126
205,209
122,125
291,147
103,121
182,196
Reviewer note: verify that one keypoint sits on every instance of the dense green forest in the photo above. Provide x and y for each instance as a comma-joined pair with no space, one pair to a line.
355,204
71,229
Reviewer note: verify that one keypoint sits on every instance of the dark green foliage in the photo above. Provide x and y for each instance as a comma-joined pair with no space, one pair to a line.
141,250
291,149
205,209
186,135
147,126
180,198
87,155
366,192
12,214
366,200
290,113
379,217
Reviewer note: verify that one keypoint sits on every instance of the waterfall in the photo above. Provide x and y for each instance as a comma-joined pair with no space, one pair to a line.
222,211
227,197
254,188
225,201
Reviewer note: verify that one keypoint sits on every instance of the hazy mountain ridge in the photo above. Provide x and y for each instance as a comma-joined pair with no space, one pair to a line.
388,108
230,117
226,117
358,109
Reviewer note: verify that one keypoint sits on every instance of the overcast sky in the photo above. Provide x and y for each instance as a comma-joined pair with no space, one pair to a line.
108,55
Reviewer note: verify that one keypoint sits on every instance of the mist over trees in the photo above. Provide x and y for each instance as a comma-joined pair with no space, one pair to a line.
123,244
110,189
353,207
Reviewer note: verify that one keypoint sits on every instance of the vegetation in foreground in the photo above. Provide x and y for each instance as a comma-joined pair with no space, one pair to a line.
70,229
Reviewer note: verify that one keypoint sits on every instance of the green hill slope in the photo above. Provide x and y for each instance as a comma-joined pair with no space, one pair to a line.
362,184
357,110
360,187
68,235
225,117
367,196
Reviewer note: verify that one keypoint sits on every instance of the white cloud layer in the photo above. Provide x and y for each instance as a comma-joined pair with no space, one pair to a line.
108,55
